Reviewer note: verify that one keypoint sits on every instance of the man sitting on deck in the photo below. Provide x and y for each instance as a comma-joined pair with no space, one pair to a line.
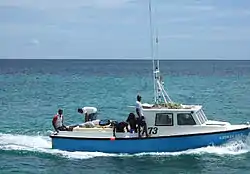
57,122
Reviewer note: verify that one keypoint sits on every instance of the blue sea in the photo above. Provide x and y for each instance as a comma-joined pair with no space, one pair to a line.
31,91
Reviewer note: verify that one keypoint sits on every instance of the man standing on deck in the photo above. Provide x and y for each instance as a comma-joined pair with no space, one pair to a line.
141,118
138,106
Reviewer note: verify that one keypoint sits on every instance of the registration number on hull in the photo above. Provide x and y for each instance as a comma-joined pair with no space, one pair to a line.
226,137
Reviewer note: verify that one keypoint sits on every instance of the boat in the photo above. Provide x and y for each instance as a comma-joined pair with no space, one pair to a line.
171,127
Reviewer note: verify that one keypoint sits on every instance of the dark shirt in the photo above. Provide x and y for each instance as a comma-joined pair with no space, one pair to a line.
120,127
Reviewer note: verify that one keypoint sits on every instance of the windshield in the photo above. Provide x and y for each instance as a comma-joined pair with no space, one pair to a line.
201,116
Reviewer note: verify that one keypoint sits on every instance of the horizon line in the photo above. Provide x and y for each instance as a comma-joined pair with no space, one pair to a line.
133,59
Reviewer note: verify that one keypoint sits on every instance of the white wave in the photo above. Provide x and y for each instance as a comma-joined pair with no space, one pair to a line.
42,144
234,148
25,141
231,148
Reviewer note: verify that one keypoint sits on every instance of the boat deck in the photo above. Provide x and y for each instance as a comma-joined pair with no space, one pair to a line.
171,107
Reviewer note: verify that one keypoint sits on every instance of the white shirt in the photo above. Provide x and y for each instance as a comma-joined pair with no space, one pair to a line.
89,110
58,122
84,110
138,106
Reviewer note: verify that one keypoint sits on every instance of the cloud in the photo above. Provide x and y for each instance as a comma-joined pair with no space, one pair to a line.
245,12
34,41
180,19
74,28
108,3
55,4
200,7
176,36
219,33
230,12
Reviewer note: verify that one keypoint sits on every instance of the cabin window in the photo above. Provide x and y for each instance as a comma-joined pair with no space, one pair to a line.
201,116
185,119
164,119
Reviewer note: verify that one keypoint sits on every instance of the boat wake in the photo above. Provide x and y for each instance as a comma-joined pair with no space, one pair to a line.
42,144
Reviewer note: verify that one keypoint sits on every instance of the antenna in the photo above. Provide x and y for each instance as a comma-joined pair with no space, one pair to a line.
159,91
152,48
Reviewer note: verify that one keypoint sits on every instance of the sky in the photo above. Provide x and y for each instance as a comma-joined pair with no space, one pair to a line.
118,29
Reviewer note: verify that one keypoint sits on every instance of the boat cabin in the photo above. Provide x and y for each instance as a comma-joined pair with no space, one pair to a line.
165,120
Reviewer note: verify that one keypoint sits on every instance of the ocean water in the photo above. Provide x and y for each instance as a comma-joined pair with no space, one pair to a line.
31,91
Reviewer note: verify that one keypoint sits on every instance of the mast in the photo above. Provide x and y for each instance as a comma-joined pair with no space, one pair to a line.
159,91
152,49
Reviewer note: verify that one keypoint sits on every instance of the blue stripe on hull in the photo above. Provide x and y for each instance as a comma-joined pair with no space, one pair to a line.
161,144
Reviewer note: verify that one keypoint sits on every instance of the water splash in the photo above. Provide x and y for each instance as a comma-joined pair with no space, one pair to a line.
232,148
42,144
